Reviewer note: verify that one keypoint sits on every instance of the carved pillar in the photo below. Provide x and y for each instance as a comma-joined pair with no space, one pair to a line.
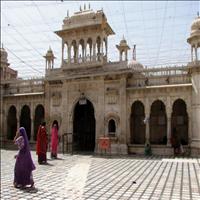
168,128
169,114
120,55
192,53
32,122
126,57
196,56
147,121
69,54
94,51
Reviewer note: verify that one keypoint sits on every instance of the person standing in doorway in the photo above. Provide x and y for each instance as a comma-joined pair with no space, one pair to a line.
42,144
54,139
24,164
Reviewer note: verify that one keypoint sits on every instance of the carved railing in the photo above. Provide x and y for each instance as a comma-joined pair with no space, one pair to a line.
161,76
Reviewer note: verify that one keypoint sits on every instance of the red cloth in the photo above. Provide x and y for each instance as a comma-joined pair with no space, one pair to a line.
42,142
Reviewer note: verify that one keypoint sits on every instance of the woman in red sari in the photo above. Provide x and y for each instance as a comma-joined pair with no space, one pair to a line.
54,139
42,144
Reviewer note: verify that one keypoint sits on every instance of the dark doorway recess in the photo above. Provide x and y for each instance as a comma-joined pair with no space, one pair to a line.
84,127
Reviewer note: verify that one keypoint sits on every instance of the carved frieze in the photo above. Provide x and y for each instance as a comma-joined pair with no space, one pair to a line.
56,98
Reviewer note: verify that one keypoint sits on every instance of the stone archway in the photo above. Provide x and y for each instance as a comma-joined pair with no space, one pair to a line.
137,123
25,120
11,123
158,123
180,120
84,126
39,117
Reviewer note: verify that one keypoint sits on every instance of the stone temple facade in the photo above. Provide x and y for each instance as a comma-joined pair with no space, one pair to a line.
91,97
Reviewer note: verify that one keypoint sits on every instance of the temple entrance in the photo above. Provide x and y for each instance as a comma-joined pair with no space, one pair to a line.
84,126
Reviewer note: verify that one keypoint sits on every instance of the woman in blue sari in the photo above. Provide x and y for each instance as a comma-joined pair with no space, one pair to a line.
24,164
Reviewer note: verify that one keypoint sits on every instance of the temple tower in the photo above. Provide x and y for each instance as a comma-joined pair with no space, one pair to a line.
194,69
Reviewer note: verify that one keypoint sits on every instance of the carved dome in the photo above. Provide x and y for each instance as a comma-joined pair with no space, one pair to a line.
135,65
195,27
123,42
49,53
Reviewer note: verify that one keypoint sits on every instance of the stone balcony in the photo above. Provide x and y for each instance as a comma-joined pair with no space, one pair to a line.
89,61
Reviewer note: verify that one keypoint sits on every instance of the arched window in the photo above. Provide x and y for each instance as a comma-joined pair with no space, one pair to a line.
111,127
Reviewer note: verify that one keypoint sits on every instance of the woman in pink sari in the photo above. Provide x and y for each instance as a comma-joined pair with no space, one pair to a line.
54,139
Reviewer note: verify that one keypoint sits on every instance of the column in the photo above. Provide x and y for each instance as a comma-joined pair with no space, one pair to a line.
120,55
32,121
168,129
69,54
94,52
32,128
192,53
126,56
147,121
196,56
189,127
76,54
147,130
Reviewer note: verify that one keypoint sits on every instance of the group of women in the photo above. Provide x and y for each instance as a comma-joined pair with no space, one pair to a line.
24,164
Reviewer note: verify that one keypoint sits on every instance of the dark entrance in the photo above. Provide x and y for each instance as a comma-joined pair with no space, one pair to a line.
39,118
84,127
137,123
180,120
11,123
25,120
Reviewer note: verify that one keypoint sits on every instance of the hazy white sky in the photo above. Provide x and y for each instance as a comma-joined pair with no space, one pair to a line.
158,28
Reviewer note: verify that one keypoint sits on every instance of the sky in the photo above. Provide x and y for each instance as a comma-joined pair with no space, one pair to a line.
158,28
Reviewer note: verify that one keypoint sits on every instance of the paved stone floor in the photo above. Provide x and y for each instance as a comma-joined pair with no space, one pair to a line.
93,177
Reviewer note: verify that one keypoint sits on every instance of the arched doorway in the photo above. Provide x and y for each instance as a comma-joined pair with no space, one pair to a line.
25,120
39,117
84,126
137,123
11,123
158,123
180,120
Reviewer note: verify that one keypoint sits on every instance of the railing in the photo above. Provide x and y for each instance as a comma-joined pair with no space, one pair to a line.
24,86
83,61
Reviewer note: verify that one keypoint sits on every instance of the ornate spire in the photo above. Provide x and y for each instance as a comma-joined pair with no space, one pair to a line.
198,14
80,8
89,6
134,52
67,13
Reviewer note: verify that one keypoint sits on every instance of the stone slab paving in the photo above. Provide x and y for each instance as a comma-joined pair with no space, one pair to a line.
98,177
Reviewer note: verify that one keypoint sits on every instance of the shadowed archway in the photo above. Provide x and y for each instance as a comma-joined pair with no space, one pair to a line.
11,123
84,126
25,120
158,123
137,124
38,119
180,120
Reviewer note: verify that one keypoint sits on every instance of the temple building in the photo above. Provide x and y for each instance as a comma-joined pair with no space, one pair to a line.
91,97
